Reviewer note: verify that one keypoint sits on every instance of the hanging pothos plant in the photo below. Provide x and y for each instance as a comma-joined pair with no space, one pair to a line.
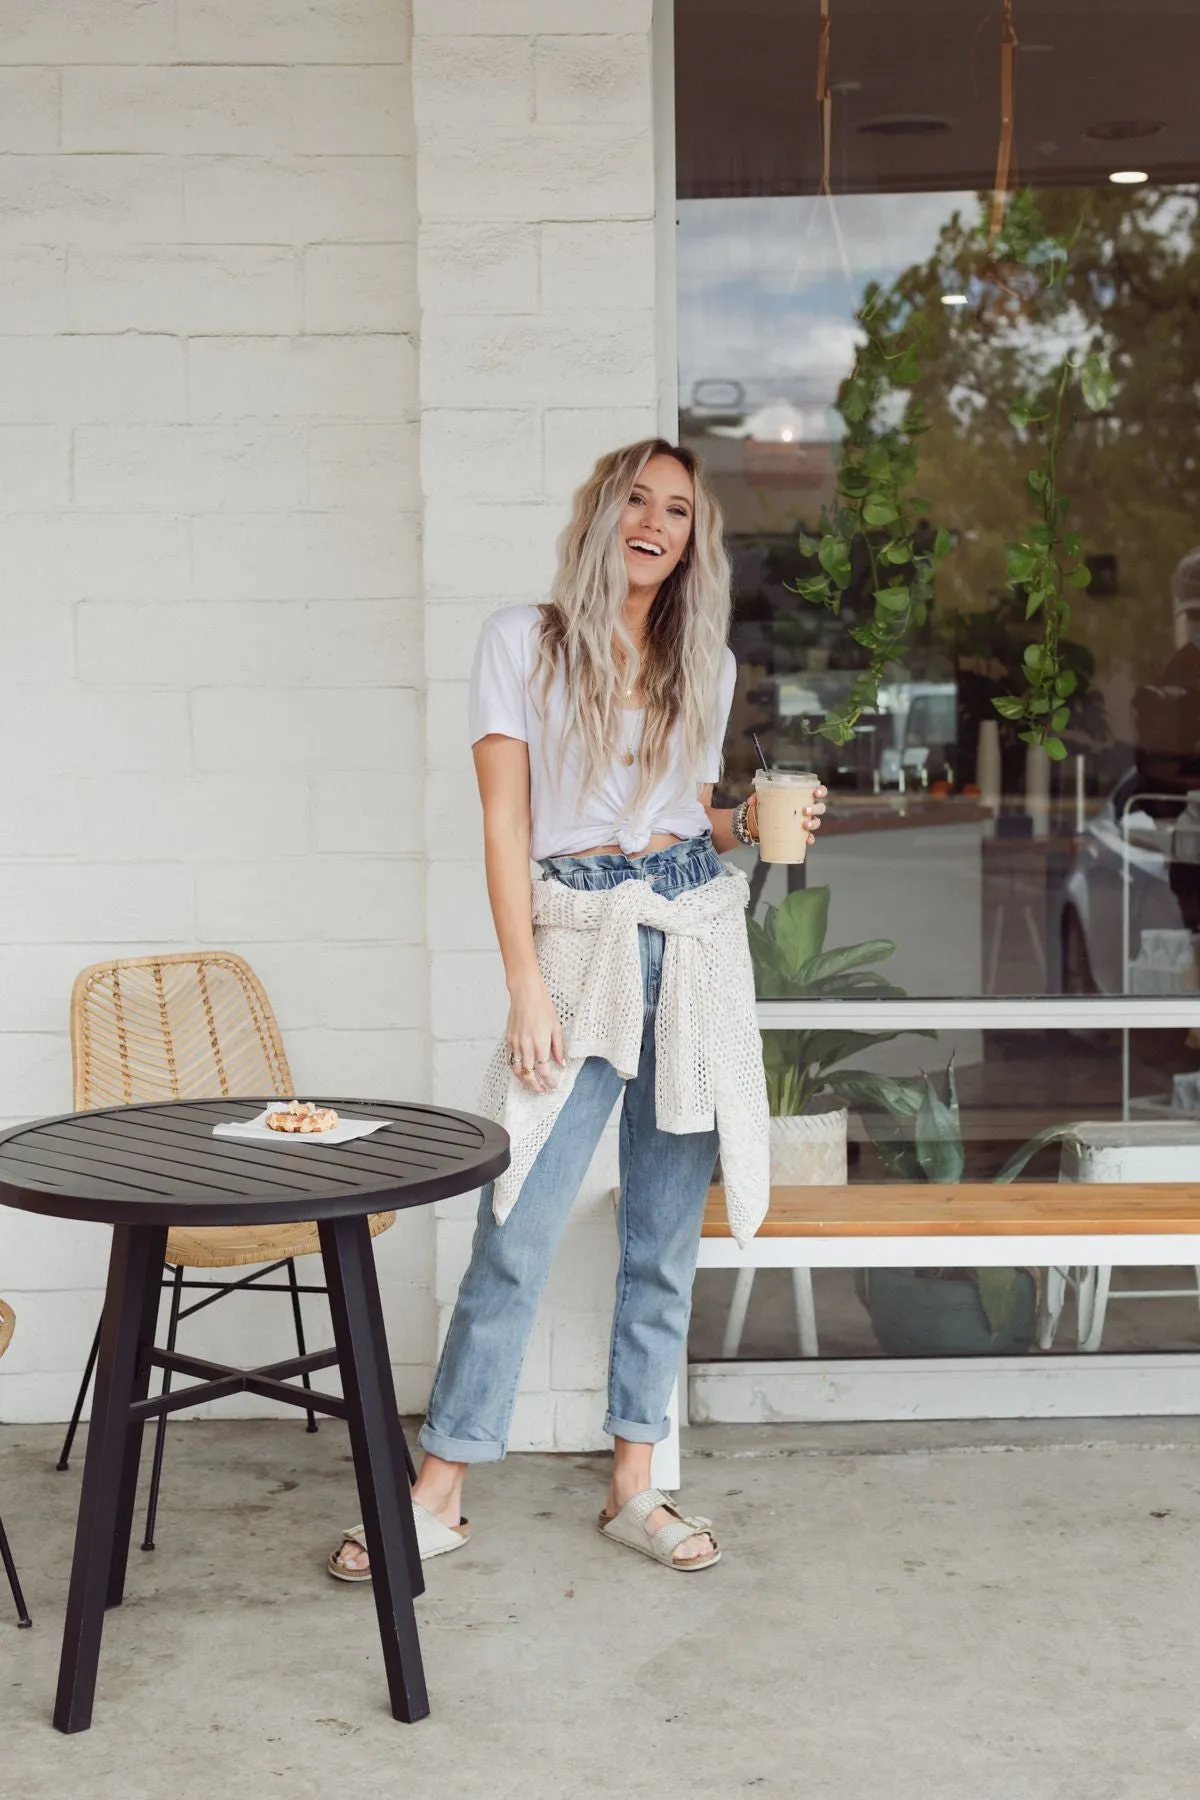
874,508
1047,560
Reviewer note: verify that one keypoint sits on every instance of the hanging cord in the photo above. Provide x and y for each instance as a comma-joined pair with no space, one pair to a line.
825,117
1004,153
825,101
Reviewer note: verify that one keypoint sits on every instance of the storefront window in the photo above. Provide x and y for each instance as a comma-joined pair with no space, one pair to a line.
989,867
1004,873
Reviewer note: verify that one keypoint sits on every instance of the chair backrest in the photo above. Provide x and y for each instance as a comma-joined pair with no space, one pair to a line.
182,1027
7,1321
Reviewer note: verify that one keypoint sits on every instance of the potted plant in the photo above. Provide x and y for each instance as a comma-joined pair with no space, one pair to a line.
808,1123
937,1312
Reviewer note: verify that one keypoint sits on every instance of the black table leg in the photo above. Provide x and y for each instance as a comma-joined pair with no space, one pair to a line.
127,1494
376,1440
110,1467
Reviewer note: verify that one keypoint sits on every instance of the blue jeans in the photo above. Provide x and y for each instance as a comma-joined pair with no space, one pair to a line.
664,1183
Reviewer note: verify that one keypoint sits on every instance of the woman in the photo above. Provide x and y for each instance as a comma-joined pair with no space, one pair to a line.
597,722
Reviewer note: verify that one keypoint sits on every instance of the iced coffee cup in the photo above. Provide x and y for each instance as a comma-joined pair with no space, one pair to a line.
784,797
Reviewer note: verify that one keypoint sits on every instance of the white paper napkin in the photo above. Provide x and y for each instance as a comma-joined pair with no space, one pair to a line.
257,1131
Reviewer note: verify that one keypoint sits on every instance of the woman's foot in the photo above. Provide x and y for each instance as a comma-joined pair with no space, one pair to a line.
701,1545
438,1488
630,1476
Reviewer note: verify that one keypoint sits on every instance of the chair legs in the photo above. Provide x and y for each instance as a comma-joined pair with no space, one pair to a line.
176,1285
806,1313
160,1435
1092,1300
64,1456
10,1569
806,1318
1054,1294
305,1381
735,1324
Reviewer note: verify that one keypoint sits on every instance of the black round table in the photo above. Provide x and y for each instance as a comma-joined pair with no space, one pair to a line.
143,1169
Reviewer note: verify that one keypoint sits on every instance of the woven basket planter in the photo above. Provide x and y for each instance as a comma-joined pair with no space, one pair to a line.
809,1149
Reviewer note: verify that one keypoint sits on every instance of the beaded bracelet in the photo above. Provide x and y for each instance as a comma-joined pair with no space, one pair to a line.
740,825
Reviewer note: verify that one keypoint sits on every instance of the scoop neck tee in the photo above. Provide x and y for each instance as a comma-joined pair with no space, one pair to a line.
501,702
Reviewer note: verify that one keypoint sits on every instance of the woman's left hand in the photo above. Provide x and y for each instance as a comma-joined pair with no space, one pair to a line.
812,814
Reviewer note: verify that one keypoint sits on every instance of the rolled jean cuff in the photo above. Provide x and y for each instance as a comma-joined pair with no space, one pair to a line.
459,1450
633,1433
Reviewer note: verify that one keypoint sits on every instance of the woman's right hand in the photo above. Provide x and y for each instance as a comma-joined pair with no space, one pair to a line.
535,1039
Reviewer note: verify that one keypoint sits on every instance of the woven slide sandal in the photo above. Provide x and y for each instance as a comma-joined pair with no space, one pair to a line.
433,1539
628,1527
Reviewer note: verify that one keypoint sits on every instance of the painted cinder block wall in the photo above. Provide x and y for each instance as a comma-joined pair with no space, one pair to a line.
313,313
536,269
210,614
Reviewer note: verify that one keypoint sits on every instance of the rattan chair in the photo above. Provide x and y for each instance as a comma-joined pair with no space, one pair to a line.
188,1027
7,1322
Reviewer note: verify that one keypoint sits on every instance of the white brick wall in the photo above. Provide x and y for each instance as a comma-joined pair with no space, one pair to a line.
536,258
221,222
209,568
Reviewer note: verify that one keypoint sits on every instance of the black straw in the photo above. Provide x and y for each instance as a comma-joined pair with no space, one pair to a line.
762,759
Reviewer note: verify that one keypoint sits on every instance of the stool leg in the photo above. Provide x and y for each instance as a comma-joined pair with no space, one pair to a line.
298,1319
806,1311
10,1569
64,1455
735,1324
111,1464
1054,1293
1093,1307
376,1440
160,1430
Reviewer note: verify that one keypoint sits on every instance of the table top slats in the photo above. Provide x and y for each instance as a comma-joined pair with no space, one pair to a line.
160,1164
190,1147
427,1150
284,1154
38,1178
54,1165
440,1128
185,1171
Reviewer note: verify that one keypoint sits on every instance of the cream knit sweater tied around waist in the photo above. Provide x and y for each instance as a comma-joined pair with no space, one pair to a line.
709,1053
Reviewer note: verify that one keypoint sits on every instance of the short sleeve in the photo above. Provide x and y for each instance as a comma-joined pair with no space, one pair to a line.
499,677
712,756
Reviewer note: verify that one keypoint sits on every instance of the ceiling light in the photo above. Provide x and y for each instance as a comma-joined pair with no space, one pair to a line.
955,300
1128,177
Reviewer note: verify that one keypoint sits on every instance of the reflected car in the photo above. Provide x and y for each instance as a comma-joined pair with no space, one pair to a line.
924,730
1120,865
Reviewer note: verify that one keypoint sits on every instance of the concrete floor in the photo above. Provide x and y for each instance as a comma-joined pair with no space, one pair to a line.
908,1612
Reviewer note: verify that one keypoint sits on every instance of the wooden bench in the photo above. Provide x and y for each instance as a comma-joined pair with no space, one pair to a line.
898,1225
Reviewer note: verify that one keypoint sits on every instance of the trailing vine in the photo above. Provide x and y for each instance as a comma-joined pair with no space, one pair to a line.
1047,559
874,509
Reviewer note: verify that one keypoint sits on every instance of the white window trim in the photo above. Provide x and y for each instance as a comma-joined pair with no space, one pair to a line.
1152,1012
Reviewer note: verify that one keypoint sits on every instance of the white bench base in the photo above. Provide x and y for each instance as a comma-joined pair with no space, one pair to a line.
1061,1249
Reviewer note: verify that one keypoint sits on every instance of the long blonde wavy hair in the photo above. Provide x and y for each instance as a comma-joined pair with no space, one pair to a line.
584,637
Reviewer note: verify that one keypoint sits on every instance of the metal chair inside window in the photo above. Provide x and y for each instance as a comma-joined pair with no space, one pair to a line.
192,1026
7,1322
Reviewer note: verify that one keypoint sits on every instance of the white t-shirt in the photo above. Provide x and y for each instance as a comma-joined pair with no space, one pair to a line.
502,702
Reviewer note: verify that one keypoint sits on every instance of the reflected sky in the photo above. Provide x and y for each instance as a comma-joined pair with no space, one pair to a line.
768,287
